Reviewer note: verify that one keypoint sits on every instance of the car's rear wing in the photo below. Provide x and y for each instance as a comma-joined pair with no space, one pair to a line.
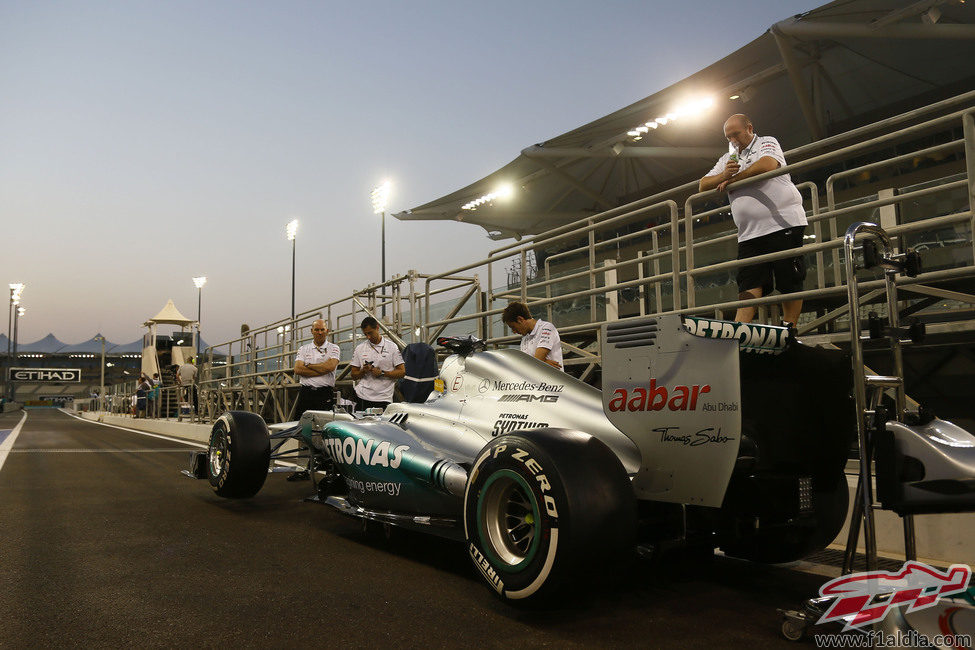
758,339
675,391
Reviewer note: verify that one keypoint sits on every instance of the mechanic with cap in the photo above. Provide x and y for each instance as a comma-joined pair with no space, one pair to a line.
539,338
315,365
376,365
769,216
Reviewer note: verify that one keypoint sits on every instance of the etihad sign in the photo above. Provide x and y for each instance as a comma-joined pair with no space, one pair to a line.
45,375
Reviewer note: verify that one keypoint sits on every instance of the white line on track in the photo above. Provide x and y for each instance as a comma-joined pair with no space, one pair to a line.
141,433
95,451
8,443
156,435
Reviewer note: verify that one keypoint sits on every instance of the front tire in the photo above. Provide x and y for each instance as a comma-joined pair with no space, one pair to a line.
545,508
239,455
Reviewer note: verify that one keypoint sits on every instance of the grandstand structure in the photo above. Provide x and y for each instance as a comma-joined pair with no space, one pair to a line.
122,363
872,101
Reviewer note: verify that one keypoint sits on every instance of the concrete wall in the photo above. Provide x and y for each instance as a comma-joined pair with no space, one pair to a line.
184,430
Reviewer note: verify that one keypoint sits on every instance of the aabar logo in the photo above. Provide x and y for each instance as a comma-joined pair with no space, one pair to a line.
657,398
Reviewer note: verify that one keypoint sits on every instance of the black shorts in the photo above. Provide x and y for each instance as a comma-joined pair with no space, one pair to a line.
314,398
363,404
786,274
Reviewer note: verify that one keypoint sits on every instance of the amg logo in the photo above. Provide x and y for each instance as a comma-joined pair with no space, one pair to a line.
545,399
656,398
46,375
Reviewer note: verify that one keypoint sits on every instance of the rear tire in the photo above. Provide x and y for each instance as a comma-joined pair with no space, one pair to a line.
544,509
239,455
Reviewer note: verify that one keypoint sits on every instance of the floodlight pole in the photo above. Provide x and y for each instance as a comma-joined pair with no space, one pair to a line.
292,232
293,246
13,386
101,390
7,364
199,313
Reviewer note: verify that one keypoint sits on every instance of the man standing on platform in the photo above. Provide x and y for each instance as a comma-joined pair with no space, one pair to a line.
769,216
186,375
315,365
376,365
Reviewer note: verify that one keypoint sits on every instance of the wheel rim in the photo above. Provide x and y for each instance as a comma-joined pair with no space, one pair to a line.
509,520
217,454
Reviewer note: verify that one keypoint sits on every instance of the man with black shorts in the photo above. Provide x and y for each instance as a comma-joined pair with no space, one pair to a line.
315,365
769,216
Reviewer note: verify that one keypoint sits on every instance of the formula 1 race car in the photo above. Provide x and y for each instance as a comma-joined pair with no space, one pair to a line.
706,433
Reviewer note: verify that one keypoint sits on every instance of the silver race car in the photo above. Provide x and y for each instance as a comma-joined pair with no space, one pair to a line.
706,433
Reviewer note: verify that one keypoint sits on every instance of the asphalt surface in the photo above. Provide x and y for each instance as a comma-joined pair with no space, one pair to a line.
103,543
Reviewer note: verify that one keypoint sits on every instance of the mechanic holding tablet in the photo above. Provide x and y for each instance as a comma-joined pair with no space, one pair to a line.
376,365
539,338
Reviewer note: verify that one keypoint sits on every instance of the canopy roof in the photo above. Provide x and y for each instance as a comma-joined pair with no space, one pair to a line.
169,315
50,344
47,345
135,347
829,70
92,345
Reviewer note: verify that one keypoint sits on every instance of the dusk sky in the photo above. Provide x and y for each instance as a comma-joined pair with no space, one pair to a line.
144,143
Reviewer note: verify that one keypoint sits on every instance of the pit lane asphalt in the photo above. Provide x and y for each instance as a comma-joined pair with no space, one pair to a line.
103,543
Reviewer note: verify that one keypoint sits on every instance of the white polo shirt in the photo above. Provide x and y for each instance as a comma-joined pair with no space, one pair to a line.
385,356
767,206
310,353
543,335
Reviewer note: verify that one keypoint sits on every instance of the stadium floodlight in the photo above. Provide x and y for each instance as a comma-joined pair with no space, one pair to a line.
504,191
380,197
689,108
200,281
292,229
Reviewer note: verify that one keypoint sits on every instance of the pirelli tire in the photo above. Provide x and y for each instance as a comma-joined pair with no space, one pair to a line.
545,510
238,455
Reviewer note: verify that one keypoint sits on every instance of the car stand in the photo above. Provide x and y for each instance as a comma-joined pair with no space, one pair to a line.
872,419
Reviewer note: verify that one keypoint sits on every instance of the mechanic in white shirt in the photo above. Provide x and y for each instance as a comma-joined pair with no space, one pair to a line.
769,216
315,365
539,338
376,365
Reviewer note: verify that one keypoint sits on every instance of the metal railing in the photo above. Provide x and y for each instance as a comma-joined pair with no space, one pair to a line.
616,264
